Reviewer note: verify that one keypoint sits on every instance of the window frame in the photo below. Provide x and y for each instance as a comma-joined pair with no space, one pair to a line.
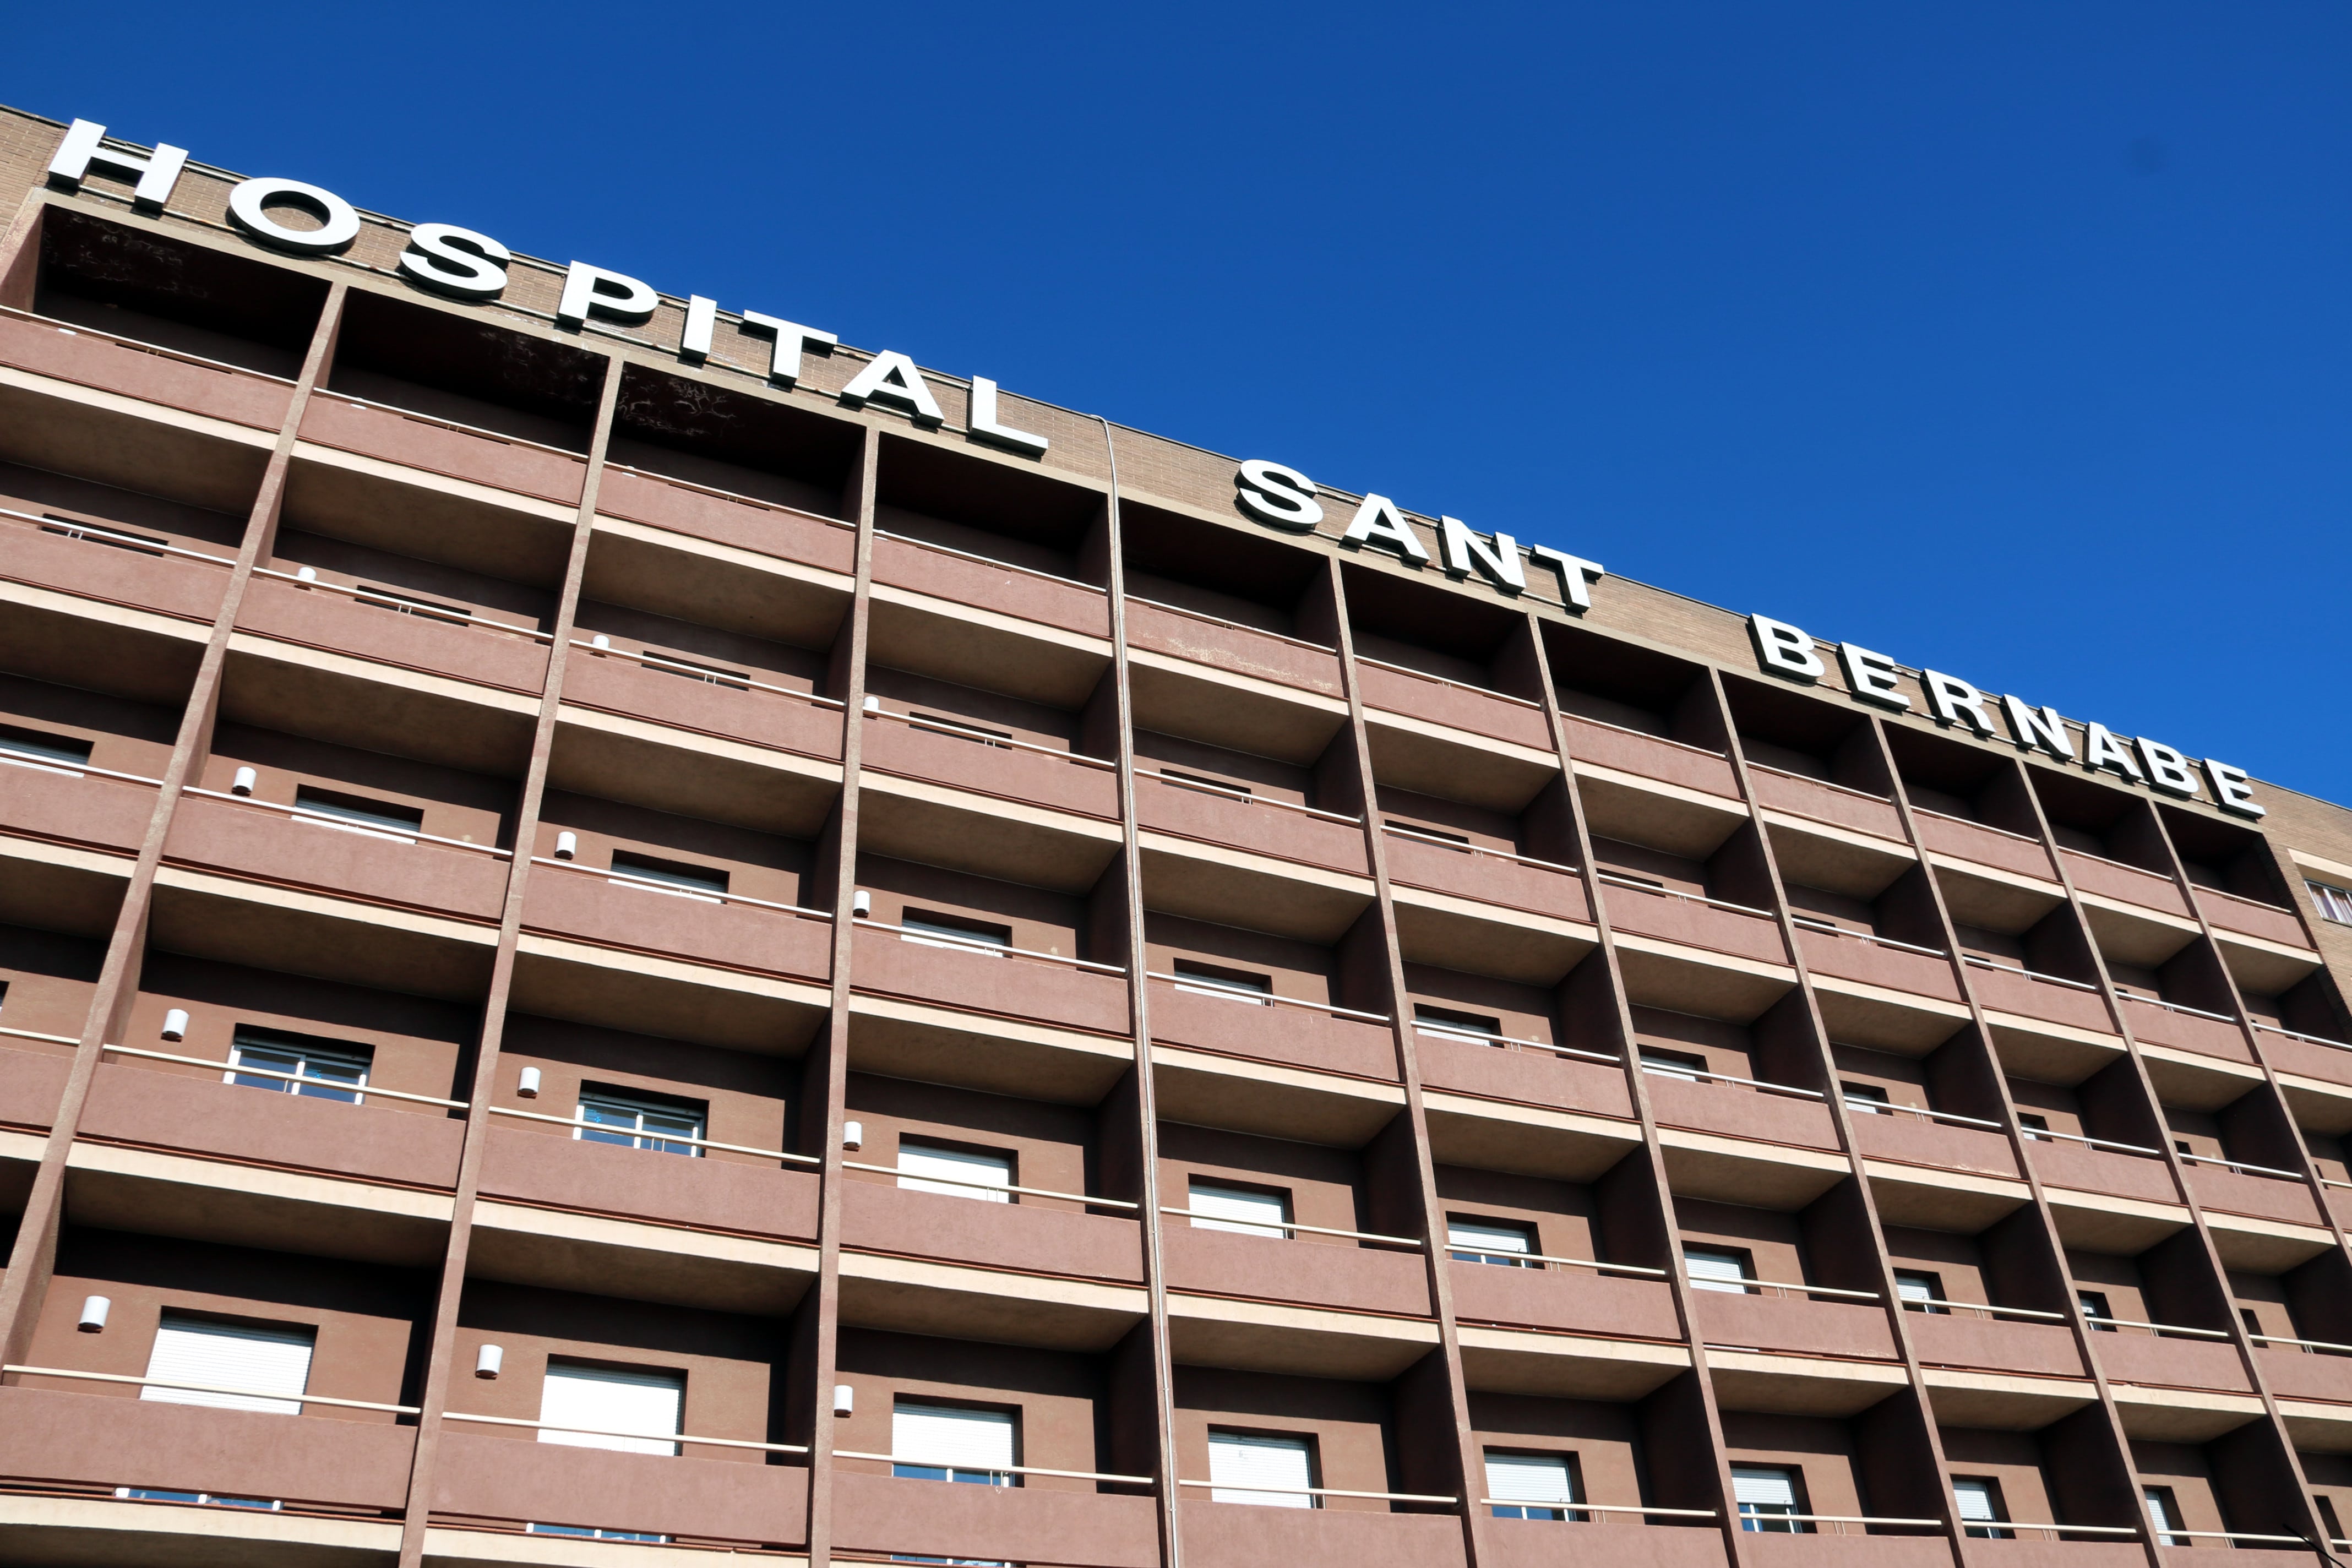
641,1101
301,1050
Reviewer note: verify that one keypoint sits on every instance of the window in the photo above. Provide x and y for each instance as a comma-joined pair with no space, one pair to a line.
585,1533
1532,1485
1262,1469
1766,1495
2334,903
586,1406
2252,1321
2327,1520
210,1499
2036,1125
2164,1516
357,814
1672,1064
952,1443
1201,781
1490,1241
38,749
704,883
1447,1023
1980,1508
933,929
671,664
942,1168
408,604
636,1120
957,729
326,1069
121,538
1918,1284
1866,1097
272,1360
2095,1306
1723,1268
1214,980
1244,1211
1422,830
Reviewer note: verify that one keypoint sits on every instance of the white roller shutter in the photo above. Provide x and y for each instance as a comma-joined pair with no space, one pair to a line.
951,1436
273,1362
1974,1494
1239,1460
1531,1480
1764,1492
1481,1243
1715,1269
953,1170
1241,1210
601,1401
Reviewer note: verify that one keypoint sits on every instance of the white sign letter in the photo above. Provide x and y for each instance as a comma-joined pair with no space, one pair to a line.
2229,790
1278,497
1574,573
613,296
1785,649
248,206
2167,770
893,379
702,321
157,172
452,261
1499,565
793,341
2101,750
1951,701
1873,676
2040,727
1378,521
985,426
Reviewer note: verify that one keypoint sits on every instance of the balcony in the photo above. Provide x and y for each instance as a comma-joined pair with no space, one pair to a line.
1982,1339
1691,920
89,358
1777,790
1392,688
994,587
1533,1543
2255,1191
1795,1324
2298,1369
478,649
2094,1165
514,1480
79,805
263,842
2248,917
1233,647
984,764
1993,847
1004,983
2127,884
2154,1022
2160,1355
31,1083
1258,825
1742,1108
723,517
1310,1273
1028,1237
1565,1296
1650,757
1487,875
1237,1535
462,452
2005,988
1298,1034
2306,1055
1934,1138
1878,961
656,691
528,1160
636,914
113,567
1047,1522
1525,1072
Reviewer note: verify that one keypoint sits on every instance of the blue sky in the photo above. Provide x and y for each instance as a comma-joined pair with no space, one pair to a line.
2010,339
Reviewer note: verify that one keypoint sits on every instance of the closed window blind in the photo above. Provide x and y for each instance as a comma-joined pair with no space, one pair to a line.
1240,1461
1670,1064
1241,1210
1979,1503
601,1401
950,1442
935,1168
1765,1493
273,1362
1447,1023
1488,1241
1716,1268
1530,1486
1918,1284
2164,1513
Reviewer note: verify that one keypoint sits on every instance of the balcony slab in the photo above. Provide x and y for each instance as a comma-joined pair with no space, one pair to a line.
603,1254
615,988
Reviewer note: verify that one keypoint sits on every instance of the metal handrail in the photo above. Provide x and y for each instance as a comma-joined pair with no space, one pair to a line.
2140,1149
1235,792
2133,1530
1869,1107
2111,860
874,710
1785,1285
722,494
329,395
618,1432
1568,1262
1825,784
1295,1225
988,1186
309,814
2327,1345
1973,822
655,1137
2242,1166
1808,922
2299,1035
987,560
1444,680
2029,974
1615,880
353,1089
50,765
1222,621
2176,1007
727,677
141,345
36,1035
1599,1508
996,1470
48,524
1325,1491
1446,1032
1852,1519
1469,848
390,597
659,885
1643,734
975,945
209,1388
1939,1304
2164,1534
1680,1071
2157,1329
1265,997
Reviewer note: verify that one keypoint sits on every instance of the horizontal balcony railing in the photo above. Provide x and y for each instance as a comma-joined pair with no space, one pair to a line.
2258,1191
73,803
724,517
1523,1072
1793,1319
1840,806
642,914
2166,1355
749,1191
1329,1491
1694,1098
2122,883
231,1388
967,757
938,1464
1876,960
1562,1295
1260,1026
978,978
387,628
1781,1288
1841,1523
988,1187
33,1083
1543,1260
728,1499
1989,1338
1909,1134
680,1438
103,565
2250,916
270,842
1984,843
1649,756
445,447
1417,859
149,372
2160,1023
2012,988
1938,1304
1693,920
360,1093
1230,645
786,1156
1575,1510
1416,694
1000,587
2100,1165
1379,1274
2306,1055
1294,1228
703,699
1201,810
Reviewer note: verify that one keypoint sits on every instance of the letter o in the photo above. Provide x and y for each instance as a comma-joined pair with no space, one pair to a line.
338,224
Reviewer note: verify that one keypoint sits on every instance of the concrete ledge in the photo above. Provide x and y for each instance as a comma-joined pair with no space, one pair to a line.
104,1531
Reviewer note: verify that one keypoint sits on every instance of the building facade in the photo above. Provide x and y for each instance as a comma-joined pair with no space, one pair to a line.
626,939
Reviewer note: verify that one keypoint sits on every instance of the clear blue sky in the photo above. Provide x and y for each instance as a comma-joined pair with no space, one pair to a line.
2009,339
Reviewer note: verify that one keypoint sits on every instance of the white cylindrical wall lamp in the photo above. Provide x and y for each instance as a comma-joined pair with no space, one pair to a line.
600,640
93,1313
308,574
567,844
844,1399
175,1024
861,904
853,1135
244,781
487,1360
529,1086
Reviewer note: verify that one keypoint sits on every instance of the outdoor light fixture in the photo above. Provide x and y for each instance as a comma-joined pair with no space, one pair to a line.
244,781
529,1088
567,844
175,1024
853,1135
845,1400
861,904
487,1360
93,1313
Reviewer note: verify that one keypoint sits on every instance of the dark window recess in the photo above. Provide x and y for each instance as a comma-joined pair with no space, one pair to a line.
408,604
957,729
40,746
121,538
2033,1121
2095,1306
1422,830
1203,781
359,809
2254,1323
313,1069
959,931
671,664
1192,975
672,873
1449,1023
